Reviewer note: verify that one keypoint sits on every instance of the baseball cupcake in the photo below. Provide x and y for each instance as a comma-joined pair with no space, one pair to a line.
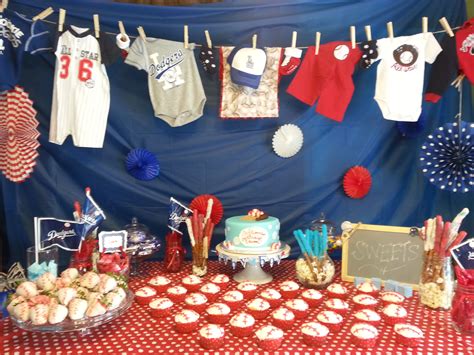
159,283
210,290
160,307
186,321
176,293
218,313
192,283
272,296
367,288
258,308
298,307
367,316
391,297
211,336
241,325
221,280
331,319
144,295
337,305
364,301
248,289
196,301
408,335
289,289
314,333
234,299
283,318
393,313
312,297
337,291
269,338
364,335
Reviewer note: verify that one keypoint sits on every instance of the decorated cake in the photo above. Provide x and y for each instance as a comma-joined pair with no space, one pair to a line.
255,232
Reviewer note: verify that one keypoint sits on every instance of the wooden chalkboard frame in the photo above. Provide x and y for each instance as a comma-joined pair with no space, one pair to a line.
368,227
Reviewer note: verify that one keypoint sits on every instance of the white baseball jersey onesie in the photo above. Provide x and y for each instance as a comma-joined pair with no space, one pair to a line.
81,95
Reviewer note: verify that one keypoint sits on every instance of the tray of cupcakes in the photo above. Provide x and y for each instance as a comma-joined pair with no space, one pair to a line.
71,302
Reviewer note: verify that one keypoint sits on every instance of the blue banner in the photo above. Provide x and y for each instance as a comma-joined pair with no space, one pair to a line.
64,234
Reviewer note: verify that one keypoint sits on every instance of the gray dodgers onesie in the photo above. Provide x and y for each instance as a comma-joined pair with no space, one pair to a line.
174,83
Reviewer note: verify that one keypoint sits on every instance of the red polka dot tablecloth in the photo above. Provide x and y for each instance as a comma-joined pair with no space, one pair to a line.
136,332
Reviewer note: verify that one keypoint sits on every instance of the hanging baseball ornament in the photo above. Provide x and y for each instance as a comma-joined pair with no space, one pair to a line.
200,203
357,182
142,164
287,140
18,135
447,157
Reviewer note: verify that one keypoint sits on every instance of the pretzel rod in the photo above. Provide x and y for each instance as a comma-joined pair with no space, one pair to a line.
458,240
205,249
310,265
211,232
439,234
189,224
444,238
195,221
210,203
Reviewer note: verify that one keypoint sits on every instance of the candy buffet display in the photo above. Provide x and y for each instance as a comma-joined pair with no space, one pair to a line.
71,302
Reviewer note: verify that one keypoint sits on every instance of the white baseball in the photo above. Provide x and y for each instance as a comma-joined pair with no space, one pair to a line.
341,52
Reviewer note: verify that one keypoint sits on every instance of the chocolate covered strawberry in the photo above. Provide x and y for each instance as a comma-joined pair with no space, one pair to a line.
77,308
39,314
21,311
96,308
66,294
89,280
46,282
57,313
27,289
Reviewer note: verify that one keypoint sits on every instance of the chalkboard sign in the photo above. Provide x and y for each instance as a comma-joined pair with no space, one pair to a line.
385,252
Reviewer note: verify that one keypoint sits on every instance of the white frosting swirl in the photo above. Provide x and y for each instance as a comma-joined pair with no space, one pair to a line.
367,286
297,304
392,297
367,315
210,288
145,292
394,310
283,313
271,294
186,316
364,331
315,329
177,290
336,303
159,280
364,299
161,303
211,331
192,280
337,288
233,296
269,332
312,294
329,317
258,304
408,331
289,286
218,309
195,298
221,278
247,286
242,320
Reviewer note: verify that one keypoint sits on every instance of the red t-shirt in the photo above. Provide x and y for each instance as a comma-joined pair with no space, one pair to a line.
465,48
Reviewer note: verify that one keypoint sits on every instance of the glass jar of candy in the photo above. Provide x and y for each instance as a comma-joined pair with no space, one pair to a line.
436,287
462,312
174,252
314,272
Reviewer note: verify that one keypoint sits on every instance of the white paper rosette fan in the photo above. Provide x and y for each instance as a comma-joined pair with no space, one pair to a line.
287,140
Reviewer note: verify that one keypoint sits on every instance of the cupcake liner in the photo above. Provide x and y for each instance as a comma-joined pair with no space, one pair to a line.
144,300
313,302
211,297
241,332
274,303
222,285
234,305
342,311
211,343
342,296
192,287
186,327
218,318
314,341
371,293
258,314
159,288
249,294
360,306
363,343
375,323
283,323
269,344
176,298
410,342
290,294
393,320
299,314
386,303
333,327
199,308
160,313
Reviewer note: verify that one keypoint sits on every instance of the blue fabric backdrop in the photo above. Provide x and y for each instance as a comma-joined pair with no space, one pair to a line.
234,159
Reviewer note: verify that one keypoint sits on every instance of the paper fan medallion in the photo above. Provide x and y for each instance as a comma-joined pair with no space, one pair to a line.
357,182
287,140
199,203
142,164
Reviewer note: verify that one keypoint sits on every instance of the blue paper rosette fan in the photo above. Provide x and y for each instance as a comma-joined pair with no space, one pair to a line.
142,164
447,157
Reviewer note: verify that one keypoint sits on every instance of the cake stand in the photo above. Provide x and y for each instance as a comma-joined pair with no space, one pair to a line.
253,262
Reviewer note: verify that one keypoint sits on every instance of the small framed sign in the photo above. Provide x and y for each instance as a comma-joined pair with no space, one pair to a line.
111,241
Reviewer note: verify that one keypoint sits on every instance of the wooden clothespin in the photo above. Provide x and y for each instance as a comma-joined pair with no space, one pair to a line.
446,26
293,39
318,41
4,5
368,33
424,24
186,37
43,14
141,33
208,38
390,29
62,17
123,33
254,41
353,37
96,25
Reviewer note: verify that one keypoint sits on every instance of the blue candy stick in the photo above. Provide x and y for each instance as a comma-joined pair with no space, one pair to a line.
300,242
324,241
306,242
317,249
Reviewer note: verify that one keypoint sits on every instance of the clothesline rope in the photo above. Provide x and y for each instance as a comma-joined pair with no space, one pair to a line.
200,45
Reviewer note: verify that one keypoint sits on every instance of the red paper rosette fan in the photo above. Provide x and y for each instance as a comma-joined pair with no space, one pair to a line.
357,182
200,203
18,135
